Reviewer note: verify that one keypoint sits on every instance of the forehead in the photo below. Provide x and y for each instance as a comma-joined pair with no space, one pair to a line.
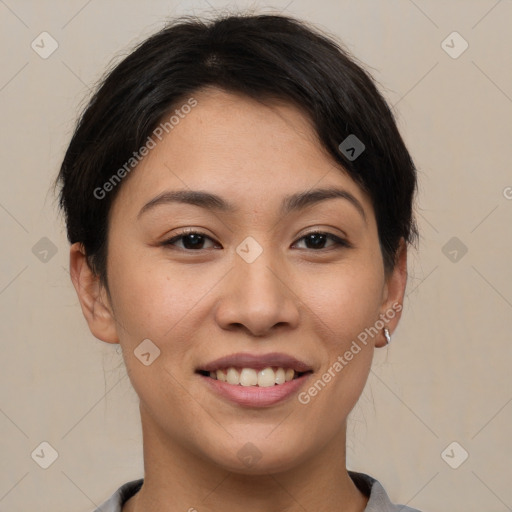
250,151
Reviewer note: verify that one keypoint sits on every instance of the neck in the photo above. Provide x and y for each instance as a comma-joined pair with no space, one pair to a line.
177,479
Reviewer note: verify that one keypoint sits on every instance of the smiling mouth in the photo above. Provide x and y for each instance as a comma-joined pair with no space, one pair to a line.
267,377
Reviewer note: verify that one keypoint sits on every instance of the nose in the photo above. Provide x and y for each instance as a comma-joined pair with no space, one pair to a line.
257,297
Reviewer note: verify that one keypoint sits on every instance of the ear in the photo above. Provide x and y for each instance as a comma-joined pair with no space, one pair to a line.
393,294
93,297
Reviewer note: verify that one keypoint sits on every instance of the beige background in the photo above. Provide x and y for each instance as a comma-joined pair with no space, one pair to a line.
446,376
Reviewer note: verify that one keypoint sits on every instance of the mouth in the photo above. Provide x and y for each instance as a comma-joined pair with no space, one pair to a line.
248,387
244,376
258,370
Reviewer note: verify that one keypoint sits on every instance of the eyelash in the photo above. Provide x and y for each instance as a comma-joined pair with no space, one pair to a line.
339,242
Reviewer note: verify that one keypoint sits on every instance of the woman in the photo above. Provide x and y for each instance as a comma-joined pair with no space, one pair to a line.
239,203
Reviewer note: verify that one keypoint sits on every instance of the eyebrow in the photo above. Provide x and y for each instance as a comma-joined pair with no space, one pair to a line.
290,203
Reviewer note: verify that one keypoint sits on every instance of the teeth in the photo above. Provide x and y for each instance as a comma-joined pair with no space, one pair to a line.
233,377
266,378
249,377
280,376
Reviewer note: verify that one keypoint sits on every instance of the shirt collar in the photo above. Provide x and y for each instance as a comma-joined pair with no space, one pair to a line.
378,500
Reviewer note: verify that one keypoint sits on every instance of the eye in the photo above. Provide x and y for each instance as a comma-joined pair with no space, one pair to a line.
195,240
192,240
316,240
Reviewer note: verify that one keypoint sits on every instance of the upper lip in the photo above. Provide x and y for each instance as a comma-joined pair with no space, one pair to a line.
257,362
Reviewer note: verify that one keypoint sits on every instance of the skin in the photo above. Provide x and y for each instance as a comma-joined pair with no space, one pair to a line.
200,304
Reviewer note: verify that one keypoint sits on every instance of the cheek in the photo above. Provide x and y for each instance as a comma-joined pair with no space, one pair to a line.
154,302
152,299
346,305
346,300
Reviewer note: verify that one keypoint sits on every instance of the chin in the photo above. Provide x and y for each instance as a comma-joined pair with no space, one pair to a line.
259,457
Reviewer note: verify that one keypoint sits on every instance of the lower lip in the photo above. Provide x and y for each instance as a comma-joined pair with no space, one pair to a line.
255,396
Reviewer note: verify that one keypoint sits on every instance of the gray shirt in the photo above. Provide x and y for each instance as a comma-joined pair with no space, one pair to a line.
378,499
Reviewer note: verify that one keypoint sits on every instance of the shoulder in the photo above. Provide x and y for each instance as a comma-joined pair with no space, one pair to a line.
378,499
116,501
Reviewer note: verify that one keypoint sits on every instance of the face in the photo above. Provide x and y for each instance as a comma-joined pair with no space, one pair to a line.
264,277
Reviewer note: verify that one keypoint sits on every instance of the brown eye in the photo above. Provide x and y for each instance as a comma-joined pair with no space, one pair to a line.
192,240
317,239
